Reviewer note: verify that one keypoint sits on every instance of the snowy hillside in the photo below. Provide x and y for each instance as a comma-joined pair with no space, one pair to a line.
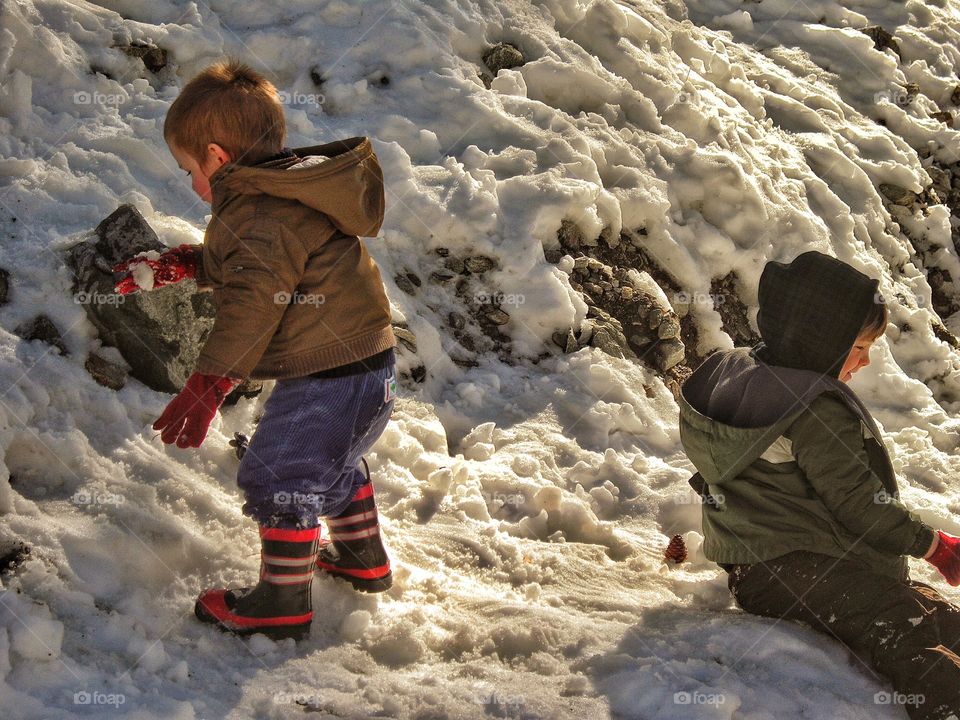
527,491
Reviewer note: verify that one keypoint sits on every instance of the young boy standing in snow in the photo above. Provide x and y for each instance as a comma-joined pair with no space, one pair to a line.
810,526
298,299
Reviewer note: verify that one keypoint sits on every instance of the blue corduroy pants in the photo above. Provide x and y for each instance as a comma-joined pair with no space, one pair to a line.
303,460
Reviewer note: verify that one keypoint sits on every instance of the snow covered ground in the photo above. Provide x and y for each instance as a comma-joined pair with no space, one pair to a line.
526,505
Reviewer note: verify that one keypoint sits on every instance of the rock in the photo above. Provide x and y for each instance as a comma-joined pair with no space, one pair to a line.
881,38
669,328
581,262
945,116
441,277
496,316
4,287
607,340
239,444
569,235
456,320
485,79
654,318
566,341
502,56
955,95
105,372
897,195
249,388
419,373
154,58
405,284
627,292
454,265
586,333
669,353
442,252
553,255
13,555
42,328
406,338
158,333
478,264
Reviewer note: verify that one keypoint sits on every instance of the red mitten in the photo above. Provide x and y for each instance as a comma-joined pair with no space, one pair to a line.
946,558
171,267
188,416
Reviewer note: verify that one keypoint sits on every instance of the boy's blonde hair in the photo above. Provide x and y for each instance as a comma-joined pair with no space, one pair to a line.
876,321
229,104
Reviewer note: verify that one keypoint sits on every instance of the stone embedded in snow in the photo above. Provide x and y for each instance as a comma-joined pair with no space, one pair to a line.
882,39
105,372
405,338
4,287
42,328
478,264
158,333
503,56
154,58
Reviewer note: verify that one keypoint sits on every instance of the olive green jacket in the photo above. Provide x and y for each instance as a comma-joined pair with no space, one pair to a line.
793,462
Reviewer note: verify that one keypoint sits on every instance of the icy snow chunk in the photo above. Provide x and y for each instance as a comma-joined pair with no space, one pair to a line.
509,82
355,625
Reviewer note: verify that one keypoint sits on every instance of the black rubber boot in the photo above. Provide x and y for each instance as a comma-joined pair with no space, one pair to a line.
278,606
354,550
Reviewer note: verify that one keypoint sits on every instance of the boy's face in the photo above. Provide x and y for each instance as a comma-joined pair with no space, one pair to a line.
200,172
859,357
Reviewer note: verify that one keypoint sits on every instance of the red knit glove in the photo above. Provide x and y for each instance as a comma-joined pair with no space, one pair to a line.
946,558
171,267
188,416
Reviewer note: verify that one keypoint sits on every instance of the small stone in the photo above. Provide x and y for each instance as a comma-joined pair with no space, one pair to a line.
454,265
654,318
239,444
566,341
105,372
442,252
497,316
419,373
881,38
414,278
479,264
153,57
581,262
945,116
4,286
456,321
669,353
553,255
626,293
441,277
569,235
897,195
955,95
669,328
405,284
42,328
406,338
503,56
594,265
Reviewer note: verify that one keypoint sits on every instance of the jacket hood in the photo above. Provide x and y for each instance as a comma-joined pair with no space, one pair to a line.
734,406
341,179
811,310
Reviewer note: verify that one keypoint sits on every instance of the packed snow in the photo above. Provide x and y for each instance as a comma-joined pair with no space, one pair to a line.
526,504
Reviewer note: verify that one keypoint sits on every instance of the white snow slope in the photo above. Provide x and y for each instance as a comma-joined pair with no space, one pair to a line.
526,506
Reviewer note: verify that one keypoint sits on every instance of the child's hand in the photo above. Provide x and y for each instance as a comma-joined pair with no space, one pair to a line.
147,273
946,557
188,416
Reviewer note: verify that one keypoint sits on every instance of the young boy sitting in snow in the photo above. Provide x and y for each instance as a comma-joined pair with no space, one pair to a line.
810,526
299,300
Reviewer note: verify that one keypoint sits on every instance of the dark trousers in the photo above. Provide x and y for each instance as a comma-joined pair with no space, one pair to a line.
904,630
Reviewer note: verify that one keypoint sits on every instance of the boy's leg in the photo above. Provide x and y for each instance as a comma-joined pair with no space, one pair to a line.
302,462
904,630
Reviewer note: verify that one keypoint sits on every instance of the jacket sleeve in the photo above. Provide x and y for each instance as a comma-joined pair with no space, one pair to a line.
828,446
203,280
261,266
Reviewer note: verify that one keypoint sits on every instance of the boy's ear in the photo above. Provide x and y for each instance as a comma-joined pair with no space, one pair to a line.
217,154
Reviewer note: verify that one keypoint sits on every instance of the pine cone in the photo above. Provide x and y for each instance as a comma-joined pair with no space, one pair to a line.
676,550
